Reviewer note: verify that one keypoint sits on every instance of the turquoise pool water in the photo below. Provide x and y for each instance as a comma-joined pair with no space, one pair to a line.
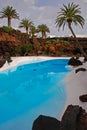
31,90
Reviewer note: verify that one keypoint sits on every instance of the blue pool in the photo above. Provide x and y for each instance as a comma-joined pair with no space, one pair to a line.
31,90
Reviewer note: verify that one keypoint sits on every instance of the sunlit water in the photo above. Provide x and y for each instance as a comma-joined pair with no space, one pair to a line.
30,90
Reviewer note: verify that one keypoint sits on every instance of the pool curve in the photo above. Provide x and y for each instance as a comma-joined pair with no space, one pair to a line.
31,90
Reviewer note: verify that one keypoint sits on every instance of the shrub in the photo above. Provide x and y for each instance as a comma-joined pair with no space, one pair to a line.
7,29
24,49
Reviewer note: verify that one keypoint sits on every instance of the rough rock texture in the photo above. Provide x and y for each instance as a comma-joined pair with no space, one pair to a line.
74,62
48,47
5,47
82,120
7,56
69,119
74,118
83,98
46,123
2,62
15,37
9,38
80,69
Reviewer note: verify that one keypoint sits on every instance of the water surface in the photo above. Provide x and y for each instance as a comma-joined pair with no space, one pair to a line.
31,90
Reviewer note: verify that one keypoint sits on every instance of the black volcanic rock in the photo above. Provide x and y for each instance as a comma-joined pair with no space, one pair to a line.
46,123
6,47
74,118
83,98
2,62
80,69
69,118
74,62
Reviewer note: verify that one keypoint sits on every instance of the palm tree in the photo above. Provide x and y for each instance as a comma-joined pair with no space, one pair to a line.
70,14
43,29
26,23
9,13
33,31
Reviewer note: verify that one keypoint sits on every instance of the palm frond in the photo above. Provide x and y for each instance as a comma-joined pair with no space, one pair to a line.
70,13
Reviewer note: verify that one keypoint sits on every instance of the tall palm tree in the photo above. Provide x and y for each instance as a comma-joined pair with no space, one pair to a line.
70,14
9,13
26,23
43,29
33,31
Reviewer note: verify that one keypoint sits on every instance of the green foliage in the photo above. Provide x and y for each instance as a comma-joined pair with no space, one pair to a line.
33,31
69,14
18,49
7,29
56,41
66,42
43,29
9,13
48,41
26,23
24,49
60,49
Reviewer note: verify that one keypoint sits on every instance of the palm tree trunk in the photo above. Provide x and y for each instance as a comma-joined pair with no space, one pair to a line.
42,34
9,22
79,46
27,30
45,35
